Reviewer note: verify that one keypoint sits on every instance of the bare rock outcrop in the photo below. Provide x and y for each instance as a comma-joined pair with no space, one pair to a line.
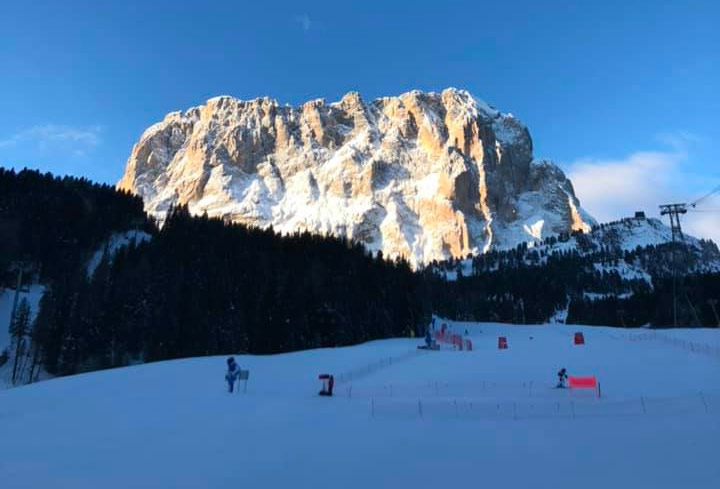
426,176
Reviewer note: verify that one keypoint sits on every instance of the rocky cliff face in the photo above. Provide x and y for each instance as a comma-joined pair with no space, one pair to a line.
423,175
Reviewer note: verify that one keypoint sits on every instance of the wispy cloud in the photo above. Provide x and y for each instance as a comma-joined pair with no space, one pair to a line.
610,189
304,21
76,140
680,141
614,188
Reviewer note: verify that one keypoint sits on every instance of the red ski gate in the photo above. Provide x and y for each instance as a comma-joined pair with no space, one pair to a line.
584,383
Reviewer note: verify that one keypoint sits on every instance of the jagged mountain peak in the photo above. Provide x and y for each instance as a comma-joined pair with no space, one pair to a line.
424,175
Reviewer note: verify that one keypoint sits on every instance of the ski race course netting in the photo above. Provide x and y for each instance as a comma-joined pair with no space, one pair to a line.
528,399
361,372
399,417
687,345
468,410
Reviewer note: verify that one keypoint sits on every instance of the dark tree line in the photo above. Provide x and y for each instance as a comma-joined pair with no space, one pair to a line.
201,286
53,223
49,228
697,304
524,285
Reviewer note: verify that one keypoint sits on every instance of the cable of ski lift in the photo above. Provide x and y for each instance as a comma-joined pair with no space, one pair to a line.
709,194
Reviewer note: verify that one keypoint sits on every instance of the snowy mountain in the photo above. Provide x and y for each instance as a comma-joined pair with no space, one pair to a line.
427,176
400,417
620,246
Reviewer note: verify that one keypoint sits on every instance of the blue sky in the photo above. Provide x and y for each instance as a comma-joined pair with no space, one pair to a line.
619,93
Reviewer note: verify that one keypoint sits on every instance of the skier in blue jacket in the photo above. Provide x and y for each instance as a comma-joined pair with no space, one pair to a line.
562,377
232,373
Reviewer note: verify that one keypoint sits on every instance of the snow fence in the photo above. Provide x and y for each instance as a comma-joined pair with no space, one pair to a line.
479,410
371,368
691,346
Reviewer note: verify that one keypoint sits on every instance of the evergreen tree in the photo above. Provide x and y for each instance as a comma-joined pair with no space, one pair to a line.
19,328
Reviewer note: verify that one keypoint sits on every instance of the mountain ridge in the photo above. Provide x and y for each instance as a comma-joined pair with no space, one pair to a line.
425,176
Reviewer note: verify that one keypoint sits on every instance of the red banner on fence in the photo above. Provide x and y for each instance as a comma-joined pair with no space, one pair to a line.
582,382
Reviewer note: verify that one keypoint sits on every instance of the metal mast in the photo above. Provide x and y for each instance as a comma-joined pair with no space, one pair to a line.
674,211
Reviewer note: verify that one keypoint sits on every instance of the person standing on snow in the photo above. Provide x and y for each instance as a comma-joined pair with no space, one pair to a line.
562,376
232,373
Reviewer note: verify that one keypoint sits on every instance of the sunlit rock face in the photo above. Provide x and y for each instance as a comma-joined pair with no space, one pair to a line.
426,176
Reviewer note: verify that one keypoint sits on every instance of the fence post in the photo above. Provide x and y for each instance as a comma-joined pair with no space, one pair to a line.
642,401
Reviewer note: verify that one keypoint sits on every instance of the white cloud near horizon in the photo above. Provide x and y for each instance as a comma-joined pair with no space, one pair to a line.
304,21
610,189
76,140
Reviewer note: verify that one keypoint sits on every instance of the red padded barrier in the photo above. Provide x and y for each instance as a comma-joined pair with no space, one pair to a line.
579,339
582,382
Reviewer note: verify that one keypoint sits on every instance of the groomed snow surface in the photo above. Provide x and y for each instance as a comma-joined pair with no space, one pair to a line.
400,418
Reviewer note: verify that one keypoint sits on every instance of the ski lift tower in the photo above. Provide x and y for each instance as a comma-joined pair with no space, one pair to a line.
674,211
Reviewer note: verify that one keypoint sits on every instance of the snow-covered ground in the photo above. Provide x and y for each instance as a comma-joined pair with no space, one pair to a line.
400,418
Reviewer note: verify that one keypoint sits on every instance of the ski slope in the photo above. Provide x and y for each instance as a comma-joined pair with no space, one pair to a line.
400,418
